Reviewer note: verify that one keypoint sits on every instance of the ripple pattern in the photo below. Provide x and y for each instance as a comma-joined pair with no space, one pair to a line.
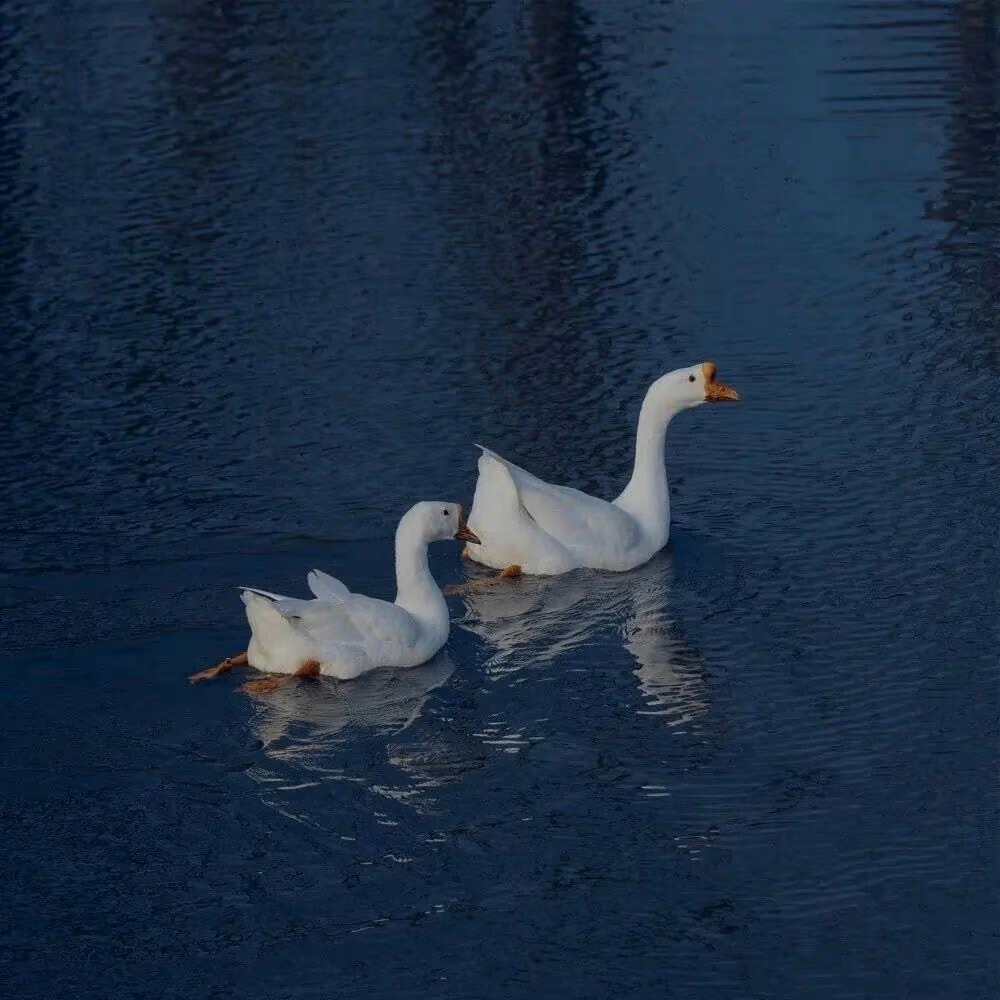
268,270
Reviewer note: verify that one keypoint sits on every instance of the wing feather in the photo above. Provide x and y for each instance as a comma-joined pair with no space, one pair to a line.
327,587
346,627
574,518
379,627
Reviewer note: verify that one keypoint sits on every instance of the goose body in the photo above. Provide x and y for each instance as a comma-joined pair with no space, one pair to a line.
342,634
546,529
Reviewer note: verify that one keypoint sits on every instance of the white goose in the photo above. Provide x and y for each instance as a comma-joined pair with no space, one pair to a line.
527,525
343,635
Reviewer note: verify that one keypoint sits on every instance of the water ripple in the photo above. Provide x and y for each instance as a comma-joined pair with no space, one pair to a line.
268,270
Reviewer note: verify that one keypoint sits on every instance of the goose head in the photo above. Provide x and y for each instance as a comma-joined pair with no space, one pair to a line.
687,387
436,521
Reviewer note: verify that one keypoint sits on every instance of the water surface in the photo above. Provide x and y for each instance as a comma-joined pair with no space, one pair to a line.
267,273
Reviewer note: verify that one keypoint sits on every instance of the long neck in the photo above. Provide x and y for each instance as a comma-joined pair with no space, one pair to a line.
647,496
416,590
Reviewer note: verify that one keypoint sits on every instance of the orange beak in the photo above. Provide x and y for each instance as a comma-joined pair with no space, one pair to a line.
716,392
466,534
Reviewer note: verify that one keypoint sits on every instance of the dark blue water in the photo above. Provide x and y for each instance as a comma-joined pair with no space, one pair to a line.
268,270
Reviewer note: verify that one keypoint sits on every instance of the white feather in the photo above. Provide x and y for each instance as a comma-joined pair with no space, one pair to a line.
547,529
349,634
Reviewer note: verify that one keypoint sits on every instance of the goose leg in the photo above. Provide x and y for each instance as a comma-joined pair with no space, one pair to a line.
512,572
229,663
274,681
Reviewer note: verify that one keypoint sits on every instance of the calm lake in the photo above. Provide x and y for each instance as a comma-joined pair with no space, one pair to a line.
267,271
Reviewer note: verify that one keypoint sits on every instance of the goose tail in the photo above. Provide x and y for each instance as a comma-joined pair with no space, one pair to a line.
266,622
496,492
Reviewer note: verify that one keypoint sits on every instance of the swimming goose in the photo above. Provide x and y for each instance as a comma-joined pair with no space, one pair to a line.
343,635
528,525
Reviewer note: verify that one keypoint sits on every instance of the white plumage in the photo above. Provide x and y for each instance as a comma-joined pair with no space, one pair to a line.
546,529
348,634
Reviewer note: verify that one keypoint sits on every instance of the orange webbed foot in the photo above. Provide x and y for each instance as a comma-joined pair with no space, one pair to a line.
229,663
512,572
274,681
267,684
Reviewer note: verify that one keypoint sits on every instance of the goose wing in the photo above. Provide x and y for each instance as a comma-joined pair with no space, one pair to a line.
381,629
574,518
327,587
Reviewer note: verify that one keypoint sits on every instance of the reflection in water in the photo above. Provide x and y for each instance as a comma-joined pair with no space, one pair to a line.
971,195
270,268
527,199
298,722
671,672
316,729
537,620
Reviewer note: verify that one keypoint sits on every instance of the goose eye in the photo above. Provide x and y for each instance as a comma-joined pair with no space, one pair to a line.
690,378
445,512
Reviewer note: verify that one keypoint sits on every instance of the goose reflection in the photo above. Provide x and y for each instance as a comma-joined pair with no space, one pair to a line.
314,736
671,672
535,620
299,722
